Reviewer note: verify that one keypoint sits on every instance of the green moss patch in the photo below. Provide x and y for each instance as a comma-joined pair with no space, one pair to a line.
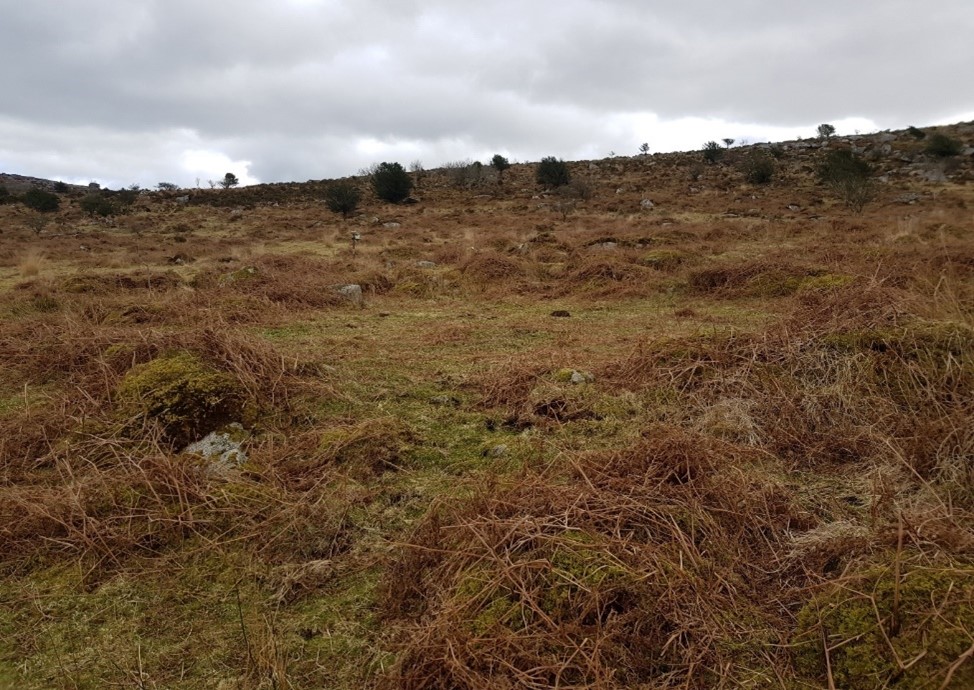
880,635
187,397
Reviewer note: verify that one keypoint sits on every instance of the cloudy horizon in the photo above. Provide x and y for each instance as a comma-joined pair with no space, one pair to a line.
123,92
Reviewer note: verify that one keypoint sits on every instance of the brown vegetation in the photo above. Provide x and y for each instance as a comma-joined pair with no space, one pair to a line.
741,456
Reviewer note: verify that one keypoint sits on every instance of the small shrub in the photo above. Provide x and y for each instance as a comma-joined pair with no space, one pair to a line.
42,201
5,196
343,197
167,186
391,182
850,178
552,173
465,174
825,131
916,133
759,167
943,146
712,152
97,205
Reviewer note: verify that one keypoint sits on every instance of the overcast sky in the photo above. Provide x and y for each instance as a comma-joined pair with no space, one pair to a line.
142,91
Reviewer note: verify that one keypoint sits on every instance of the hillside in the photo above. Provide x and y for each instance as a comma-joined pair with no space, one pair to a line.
666,428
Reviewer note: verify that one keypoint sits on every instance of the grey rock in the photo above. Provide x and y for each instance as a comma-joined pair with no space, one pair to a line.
608,246
353,293
908,198
448,400
426,264
646,204
224,448
580,377
391,225
794,208
497,451
182,200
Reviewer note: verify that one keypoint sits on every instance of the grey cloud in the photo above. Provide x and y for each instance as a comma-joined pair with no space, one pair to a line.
297,86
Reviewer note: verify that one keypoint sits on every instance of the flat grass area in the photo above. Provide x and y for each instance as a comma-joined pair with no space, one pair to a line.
612,448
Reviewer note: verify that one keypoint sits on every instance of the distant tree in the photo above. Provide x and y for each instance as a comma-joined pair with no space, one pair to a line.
168,186
391,182
644,148
343,197
943,146
500,164
229,180
42,201
825,131
728,142
712,152
850,177
915,132
552,173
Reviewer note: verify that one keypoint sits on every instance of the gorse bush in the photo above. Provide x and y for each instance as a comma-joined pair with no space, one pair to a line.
391,182
343,197
552,172
39,200
943,146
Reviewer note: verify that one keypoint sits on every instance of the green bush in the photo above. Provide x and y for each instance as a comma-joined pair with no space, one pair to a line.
552,172
500,164
97,205
849,176
759,167
943,146
712,152
42,201
5,196
391,182
343,197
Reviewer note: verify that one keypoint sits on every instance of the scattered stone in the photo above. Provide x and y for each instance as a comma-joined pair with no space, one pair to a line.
182,200
646,204
794,208
497,451
426,264
391,225
244,273
411,200
353,293
237,213
448,400
604,245
908,198
223,448
561,313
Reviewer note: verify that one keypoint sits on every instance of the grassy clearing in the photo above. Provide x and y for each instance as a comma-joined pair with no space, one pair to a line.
718,443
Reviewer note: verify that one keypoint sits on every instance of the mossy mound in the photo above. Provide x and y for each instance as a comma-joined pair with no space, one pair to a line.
184,395
874,642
